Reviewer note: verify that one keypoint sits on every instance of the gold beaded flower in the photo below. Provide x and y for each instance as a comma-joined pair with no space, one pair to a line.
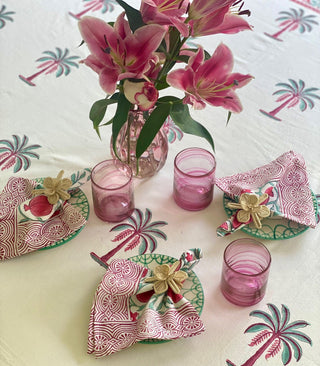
166,276
250,206
55,188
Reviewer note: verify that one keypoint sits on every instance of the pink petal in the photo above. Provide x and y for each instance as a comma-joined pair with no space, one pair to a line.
142,43
108,80
201,8
181,79
122,27
94,32
196,59
241,79
230,102
217,67
232,24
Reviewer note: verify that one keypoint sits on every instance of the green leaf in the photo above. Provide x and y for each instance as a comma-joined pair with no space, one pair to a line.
257,327
120,118
181,117
169,98
229,116
133,15
151,127
98,111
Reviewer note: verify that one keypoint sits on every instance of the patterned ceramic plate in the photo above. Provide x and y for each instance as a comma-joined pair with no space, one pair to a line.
79,200
191,290
273,229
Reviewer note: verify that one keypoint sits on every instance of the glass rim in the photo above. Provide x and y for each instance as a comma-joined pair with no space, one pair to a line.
256,242
199,149
117,162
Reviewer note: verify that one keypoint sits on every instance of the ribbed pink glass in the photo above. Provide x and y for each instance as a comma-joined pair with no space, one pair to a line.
245,272
194,175
112,190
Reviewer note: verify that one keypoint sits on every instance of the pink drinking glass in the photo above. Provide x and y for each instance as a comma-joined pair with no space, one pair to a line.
245,271
112,190
194,174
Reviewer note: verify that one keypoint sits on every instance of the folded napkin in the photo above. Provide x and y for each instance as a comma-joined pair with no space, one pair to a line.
280,188
133,303
35,215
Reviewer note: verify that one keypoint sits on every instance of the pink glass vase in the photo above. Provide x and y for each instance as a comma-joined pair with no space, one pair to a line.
153,159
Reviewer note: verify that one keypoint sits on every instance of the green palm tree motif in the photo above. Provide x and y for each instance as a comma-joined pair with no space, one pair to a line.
17,153
138,231
94,5
292,20
58,62
292,94
5,16
276,333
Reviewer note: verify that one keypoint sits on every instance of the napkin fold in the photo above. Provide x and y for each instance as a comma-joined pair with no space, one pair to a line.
127,307
283,183
29,222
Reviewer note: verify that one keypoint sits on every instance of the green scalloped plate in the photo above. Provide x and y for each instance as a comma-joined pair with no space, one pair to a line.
192,289
79,200
273,229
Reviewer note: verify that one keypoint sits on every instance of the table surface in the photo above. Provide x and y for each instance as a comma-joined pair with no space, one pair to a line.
46,296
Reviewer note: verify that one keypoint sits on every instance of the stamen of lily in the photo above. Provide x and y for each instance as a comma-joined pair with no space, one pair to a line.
107,49
237,10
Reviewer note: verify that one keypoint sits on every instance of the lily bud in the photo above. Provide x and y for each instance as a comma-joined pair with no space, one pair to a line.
142,93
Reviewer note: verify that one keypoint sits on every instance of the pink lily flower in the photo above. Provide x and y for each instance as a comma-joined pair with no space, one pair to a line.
210,81
166,12
116,52
219,21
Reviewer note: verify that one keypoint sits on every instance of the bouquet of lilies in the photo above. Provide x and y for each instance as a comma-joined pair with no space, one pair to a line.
135,58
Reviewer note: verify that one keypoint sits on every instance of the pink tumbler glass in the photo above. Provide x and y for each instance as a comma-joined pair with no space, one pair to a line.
245,271
112,190
194,174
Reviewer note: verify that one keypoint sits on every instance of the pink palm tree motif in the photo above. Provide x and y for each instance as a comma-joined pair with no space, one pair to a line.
138,231
292,20
276,334
95,5
5,16
17,153
58,62
291,95
172,130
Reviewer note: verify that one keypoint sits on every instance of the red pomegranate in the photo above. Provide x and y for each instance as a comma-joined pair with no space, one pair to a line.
39,206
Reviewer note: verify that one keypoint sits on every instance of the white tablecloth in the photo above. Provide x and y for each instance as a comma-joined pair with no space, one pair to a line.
45,296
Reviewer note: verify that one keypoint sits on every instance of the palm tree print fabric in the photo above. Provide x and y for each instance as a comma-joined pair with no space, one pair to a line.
139,231
58,62
293,20
17,154
292,94
276,335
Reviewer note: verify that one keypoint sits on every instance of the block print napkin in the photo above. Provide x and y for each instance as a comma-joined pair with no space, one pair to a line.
283,183
127,307
28,222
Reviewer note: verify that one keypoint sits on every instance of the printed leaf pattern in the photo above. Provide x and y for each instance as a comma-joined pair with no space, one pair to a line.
276,334
58,62
292,94
5,16
293,20
139,230
17,153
